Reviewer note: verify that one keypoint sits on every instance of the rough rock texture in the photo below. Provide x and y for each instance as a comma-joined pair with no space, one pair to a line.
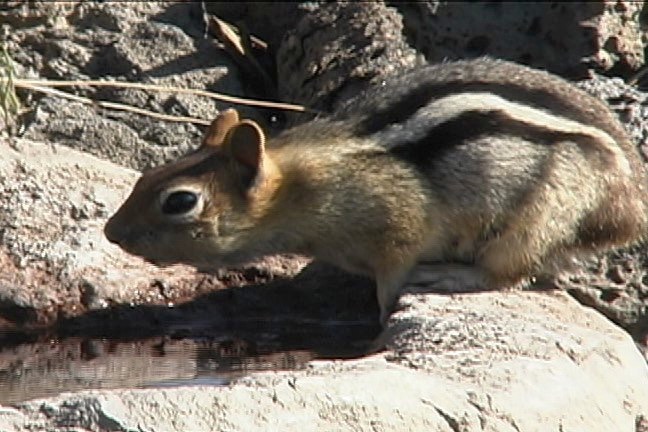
322,63
564,37
630,104
88,40
472,362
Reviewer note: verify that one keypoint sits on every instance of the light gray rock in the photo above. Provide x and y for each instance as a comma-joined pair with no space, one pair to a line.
12,420
538,356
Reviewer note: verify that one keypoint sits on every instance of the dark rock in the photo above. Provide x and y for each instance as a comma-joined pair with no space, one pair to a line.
339,49
563,37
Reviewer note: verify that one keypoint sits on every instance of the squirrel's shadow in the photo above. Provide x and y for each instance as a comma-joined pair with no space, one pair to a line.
322,309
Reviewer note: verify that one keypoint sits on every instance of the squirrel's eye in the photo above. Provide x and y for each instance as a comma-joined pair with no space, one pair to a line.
179,202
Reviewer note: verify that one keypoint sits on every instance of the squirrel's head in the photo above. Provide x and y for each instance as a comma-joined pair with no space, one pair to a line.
198,209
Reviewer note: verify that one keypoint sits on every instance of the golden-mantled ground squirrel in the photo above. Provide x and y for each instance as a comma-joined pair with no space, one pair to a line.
489,169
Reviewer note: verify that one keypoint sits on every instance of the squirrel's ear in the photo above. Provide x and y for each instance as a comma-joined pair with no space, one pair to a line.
217,130
246,144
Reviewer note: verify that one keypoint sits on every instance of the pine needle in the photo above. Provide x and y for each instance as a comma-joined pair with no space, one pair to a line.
115,105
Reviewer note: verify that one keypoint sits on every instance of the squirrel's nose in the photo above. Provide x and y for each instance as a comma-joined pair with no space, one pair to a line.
114,232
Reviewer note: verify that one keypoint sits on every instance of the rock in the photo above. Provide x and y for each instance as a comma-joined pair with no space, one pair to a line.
122,44
630,104
323,62
12,420
54,202
560,350
122,138
515,361
563,37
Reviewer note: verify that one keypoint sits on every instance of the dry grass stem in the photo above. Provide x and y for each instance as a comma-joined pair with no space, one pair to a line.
152,87
116,106
10,105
